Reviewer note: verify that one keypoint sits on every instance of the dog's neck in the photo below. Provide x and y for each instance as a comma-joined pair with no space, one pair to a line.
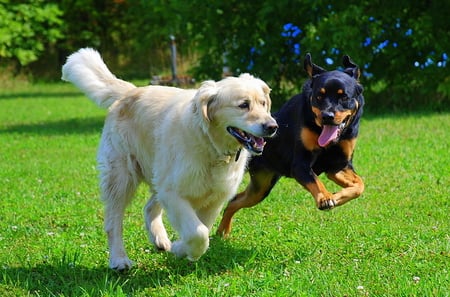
228,157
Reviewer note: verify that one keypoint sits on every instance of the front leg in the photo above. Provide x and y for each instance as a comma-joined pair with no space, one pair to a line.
194,235
308,179
304,175
353,185
324,199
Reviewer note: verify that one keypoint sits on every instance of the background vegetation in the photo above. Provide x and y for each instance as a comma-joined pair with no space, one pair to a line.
402,46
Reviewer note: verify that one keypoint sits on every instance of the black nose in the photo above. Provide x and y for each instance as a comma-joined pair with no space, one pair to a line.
327,116
270,128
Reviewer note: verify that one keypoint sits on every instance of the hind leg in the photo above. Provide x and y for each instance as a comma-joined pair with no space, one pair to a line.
118,181
157,233
261,183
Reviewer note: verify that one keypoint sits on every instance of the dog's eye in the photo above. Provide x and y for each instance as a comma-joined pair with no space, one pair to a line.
319,97
244,105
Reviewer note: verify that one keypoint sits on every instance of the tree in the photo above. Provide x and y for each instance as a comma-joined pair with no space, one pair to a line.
401,47
26,28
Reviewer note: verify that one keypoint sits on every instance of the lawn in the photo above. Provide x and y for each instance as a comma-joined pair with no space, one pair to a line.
393,241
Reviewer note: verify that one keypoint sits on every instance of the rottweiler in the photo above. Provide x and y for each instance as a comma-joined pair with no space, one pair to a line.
317,134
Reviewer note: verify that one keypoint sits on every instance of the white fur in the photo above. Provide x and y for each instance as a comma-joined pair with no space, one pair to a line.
176,141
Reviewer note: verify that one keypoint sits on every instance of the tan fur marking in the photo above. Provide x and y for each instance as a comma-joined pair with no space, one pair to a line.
348,146
318,118
342,115
319,192
309,139
260,184
353,185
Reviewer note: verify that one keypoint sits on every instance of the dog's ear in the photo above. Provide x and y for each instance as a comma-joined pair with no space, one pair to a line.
266,90
351,68
311,68
205,96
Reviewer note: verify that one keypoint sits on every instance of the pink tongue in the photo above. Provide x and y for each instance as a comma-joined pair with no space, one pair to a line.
329,133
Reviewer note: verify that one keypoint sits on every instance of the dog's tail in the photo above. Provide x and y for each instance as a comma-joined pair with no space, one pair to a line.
86,70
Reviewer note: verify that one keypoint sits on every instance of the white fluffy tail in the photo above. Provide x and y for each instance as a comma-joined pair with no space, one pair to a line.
86,70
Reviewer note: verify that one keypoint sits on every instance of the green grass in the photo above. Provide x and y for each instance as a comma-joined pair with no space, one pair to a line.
393,241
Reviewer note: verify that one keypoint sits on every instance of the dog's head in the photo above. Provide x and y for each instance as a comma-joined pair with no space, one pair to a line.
336,97
237,109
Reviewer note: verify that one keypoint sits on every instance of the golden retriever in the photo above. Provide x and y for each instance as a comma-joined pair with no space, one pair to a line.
185,144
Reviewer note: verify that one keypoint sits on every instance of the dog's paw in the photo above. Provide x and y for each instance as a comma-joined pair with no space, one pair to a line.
326,204
179,249
120,263
162,243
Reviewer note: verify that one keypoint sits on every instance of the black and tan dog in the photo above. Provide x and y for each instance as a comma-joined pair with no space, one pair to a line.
317,134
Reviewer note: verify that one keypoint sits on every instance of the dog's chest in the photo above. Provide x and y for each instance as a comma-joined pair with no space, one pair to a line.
215,183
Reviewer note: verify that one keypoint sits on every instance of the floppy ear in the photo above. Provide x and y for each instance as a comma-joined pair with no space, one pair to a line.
266,91
205,96
351,68
311,68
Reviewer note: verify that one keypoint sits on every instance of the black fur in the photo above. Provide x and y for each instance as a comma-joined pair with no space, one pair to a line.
317,134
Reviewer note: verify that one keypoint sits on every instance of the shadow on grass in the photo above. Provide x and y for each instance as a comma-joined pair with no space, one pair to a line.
39,95
63,127
71,279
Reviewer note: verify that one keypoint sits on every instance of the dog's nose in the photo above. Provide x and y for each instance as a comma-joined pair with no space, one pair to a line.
327,116
270,128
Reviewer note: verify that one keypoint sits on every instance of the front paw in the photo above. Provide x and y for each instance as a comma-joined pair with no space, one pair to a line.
179,249
162,243
326,203
120,263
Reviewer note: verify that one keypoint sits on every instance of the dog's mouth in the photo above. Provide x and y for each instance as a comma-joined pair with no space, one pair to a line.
252,143
330,133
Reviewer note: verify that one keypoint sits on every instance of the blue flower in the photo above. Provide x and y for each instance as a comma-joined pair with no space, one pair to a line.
383,44
367,42
296,31
290,29
287,26
297,49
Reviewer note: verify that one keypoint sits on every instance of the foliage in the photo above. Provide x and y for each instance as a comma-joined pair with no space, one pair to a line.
401,47
27,28
393,241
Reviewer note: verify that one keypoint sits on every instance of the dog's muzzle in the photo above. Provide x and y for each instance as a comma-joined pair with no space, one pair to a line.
252,143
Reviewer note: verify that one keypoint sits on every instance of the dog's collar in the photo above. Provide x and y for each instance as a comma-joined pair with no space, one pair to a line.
238,153
227,157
